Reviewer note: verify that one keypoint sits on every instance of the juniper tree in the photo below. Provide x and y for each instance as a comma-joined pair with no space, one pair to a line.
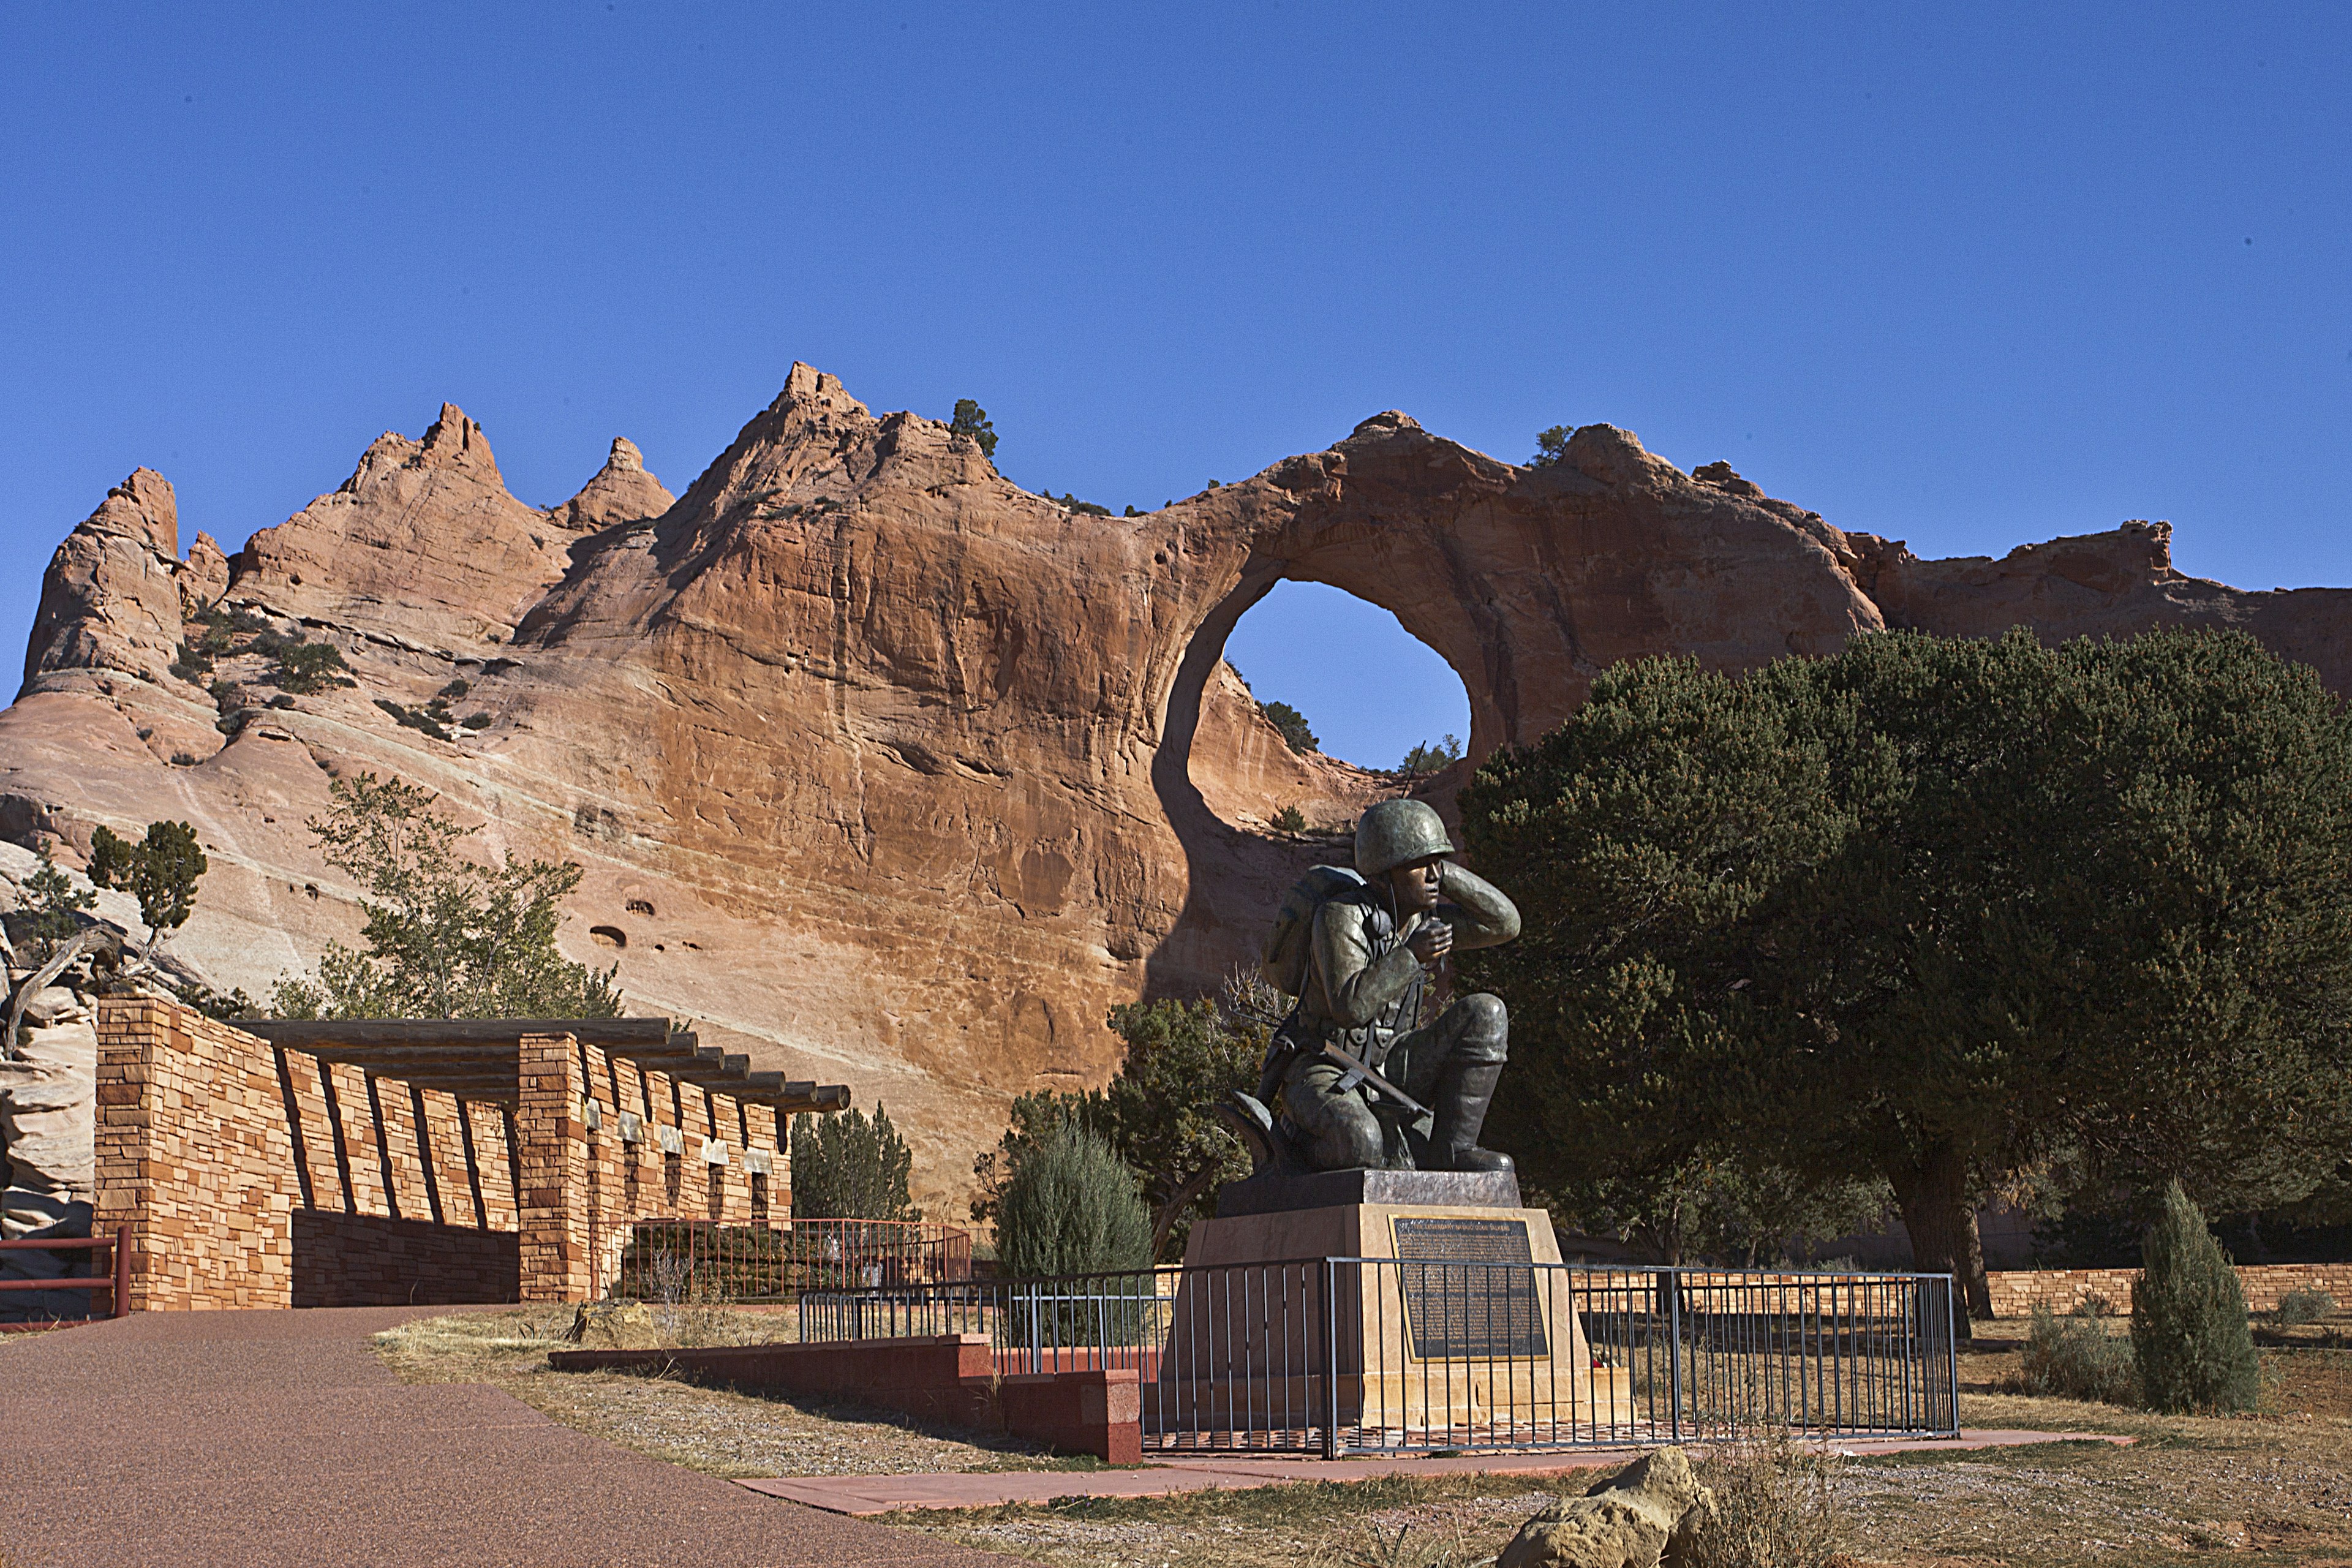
447,936
846,1167
1071,1206
161,870
1930,911
2192,1343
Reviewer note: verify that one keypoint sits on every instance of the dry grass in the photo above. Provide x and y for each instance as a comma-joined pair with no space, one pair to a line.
2272,1488
1391,1521
714,1430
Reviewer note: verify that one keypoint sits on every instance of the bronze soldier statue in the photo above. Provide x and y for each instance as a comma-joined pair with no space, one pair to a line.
1367,1078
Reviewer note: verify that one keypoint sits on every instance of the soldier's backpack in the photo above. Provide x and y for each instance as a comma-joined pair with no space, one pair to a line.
1290,946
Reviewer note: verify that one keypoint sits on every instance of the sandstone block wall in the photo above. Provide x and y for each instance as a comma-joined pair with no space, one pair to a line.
2014,1292
257,1177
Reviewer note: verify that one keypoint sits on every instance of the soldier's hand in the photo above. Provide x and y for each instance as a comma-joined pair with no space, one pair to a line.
1432,941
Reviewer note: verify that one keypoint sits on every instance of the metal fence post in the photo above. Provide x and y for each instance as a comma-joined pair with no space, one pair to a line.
1674,1352
1330,1360
121,1271
1952,1344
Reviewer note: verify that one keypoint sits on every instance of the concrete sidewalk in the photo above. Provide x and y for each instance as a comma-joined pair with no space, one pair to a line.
867,1495
268,1438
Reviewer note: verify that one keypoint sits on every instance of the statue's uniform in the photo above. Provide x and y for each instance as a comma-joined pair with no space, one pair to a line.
1366,992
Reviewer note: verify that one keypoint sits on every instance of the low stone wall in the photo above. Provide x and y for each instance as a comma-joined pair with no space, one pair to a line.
947,1378
2014,1292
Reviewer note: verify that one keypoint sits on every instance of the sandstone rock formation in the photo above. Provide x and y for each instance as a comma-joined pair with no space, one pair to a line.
885,771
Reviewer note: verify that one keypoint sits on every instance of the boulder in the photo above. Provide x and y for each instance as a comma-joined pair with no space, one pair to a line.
615,1326
1646,1514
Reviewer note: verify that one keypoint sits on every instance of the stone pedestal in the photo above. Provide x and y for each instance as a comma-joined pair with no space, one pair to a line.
1439,1318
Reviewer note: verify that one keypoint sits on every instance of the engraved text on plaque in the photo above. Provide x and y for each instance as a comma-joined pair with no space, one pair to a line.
1461,1297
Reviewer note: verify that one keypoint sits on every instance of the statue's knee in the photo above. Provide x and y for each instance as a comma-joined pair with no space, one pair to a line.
1350,1139
1485,1026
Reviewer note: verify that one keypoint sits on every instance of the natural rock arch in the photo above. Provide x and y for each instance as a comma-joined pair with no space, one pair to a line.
898,750
1525,582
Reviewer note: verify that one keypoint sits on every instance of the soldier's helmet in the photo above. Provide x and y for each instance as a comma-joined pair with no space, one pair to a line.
1396,832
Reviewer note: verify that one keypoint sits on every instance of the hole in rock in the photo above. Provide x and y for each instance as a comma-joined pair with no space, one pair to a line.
639,907
1318,662
608,936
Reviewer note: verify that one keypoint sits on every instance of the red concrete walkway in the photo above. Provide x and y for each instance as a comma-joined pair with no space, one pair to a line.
261,1439
863,1495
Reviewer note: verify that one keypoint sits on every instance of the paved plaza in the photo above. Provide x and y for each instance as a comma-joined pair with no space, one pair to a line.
251,1440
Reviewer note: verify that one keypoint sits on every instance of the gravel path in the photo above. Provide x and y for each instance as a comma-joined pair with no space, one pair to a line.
253,1439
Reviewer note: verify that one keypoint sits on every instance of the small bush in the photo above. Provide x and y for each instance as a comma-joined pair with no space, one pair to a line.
432,720
1071,1206
2190,1338
303,666
49,907
2073,1358
1290,819
476,721
2299,1307
1774,1507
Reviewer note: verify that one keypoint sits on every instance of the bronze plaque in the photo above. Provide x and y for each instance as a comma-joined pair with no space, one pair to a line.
1462,1297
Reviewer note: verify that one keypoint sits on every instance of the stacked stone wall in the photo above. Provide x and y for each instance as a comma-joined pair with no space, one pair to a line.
253,1176
2015,1292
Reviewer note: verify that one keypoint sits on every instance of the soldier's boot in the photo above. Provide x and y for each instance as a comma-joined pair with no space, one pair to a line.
1464,1093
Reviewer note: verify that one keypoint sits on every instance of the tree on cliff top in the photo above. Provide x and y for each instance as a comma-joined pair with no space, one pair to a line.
970,420
446,937
1930,911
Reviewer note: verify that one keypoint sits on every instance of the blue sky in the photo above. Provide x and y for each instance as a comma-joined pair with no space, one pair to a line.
1968,277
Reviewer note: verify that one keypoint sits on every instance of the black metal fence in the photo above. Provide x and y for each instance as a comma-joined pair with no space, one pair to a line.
1342,1355
697,1260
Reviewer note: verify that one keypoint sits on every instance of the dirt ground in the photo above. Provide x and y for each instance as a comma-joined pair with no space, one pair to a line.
2273,1488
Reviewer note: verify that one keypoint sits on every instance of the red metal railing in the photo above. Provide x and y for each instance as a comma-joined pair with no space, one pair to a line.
696,1260
115,1281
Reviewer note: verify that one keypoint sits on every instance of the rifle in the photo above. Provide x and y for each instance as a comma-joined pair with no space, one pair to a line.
1358,1072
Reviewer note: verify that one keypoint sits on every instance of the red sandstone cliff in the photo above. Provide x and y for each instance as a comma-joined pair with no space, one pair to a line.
888,771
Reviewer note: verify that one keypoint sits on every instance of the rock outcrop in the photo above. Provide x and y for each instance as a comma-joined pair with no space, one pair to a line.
1651,1512
885,769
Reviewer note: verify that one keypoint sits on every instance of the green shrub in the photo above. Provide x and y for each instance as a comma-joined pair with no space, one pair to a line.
2190,1334
1070,1205
1290,819
48,910
846,1167
2297,1308
2073,1358
304,666
1429,756
1293,725
161,870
